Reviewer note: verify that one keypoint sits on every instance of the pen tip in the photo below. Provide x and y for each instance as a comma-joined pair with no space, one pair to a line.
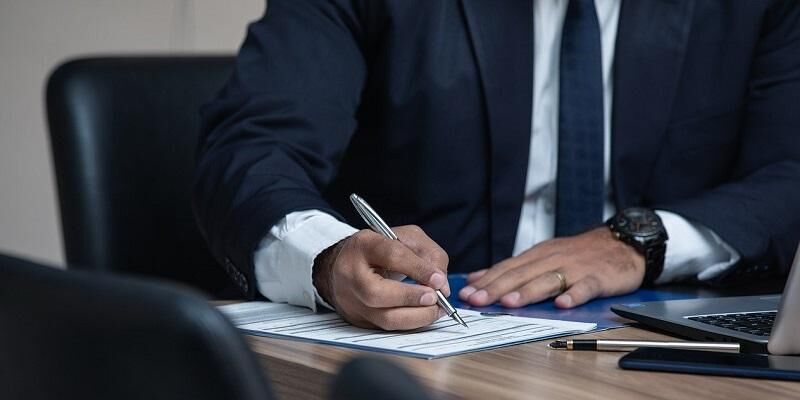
459,320
558,344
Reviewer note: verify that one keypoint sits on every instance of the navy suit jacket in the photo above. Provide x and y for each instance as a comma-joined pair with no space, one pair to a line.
424,108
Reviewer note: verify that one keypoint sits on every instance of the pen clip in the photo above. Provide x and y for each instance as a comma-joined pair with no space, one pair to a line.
371,217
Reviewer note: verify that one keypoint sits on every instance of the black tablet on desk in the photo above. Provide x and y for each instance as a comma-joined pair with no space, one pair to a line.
713,363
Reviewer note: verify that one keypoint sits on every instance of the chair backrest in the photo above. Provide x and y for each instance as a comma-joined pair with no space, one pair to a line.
124,134
79,335
368,378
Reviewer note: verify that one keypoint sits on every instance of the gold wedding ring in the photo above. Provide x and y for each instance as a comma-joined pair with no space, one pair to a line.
562,279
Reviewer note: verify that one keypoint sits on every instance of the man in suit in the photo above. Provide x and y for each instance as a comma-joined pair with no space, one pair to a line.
506,132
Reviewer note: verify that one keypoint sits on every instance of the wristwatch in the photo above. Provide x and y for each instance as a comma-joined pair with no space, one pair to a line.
642,229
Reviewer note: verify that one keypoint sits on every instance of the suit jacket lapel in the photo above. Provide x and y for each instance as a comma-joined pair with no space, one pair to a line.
502,38
651,42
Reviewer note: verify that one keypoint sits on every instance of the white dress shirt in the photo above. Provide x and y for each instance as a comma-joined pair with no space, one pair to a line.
284,258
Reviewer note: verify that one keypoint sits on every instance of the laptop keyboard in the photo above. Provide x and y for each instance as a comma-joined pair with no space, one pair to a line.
754,323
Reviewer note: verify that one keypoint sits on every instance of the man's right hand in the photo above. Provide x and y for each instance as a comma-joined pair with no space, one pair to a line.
350,276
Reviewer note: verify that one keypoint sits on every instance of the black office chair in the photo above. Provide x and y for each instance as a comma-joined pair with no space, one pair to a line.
79,335
124,134
369,378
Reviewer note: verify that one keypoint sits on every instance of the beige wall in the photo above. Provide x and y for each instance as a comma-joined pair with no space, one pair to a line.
36,35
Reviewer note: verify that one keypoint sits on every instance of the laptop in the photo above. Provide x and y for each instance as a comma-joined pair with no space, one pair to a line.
762,324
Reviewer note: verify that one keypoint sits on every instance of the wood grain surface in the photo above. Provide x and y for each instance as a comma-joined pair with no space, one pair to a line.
300,370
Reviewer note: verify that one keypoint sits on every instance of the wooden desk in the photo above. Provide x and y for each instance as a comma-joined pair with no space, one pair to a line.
300,370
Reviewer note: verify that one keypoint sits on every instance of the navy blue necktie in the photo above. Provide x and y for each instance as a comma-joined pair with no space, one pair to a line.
579,185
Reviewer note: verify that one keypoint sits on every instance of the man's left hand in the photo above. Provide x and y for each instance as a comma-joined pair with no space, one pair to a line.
592,264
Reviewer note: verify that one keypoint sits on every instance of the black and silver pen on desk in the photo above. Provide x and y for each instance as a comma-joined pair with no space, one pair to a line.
377,224
629,345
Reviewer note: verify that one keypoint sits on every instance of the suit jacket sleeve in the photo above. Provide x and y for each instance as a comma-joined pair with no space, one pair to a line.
757,212
273,137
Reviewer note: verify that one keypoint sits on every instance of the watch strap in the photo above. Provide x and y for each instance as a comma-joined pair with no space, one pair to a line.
654,263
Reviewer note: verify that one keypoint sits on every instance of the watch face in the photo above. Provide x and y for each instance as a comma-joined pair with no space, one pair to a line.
639,222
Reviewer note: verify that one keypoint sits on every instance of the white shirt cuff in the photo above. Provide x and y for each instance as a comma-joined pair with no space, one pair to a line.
285,257
693,251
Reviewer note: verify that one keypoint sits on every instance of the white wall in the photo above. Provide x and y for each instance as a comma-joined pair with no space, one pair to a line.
35,36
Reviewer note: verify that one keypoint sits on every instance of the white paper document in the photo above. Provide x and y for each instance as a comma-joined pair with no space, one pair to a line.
442,338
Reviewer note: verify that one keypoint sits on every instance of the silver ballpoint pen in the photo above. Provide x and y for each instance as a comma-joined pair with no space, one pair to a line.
628,345
376,223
